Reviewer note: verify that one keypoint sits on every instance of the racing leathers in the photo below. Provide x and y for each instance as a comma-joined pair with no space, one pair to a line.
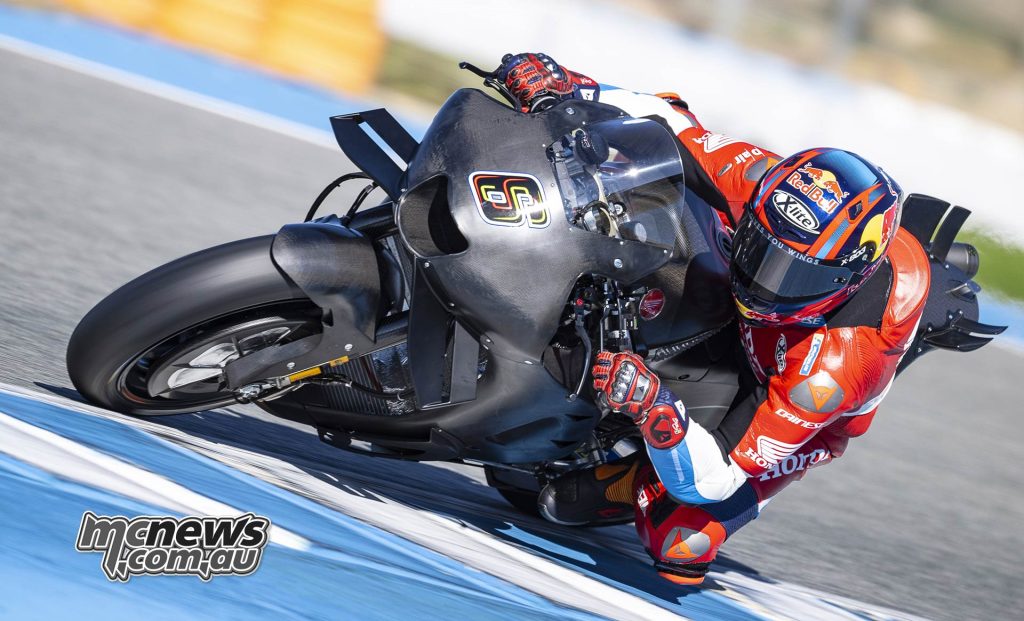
806,391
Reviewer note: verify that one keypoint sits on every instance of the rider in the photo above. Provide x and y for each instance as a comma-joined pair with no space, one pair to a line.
829,292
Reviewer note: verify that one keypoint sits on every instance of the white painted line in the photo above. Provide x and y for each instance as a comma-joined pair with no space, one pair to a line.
491,555
442,535
76,462
475,548
163,90
791,602
448,537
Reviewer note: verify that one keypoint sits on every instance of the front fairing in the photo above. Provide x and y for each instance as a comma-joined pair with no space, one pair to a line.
510,276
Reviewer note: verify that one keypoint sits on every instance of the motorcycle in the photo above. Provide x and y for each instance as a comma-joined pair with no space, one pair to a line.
457,319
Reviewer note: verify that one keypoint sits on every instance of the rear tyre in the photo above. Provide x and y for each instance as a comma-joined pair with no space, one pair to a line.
521,490
158,344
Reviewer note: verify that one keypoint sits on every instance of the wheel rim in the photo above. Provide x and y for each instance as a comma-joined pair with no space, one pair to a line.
185,372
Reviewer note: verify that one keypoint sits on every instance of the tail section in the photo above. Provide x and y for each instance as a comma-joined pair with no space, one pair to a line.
950,319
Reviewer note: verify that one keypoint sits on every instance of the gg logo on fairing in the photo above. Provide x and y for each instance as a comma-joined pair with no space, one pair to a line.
509,199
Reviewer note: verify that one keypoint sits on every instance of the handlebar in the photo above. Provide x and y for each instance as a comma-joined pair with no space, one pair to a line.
491,80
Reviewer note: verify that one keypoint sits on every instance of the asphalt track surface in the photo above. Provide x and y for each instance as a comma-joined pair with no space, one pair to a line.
99,183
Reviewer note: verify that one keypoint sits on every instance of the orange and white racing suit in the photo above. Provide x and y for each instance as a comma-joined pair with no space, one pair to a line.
809,388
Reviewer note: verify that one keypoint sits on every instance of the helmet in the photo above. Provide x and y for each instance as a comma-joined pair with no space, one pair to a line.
817,227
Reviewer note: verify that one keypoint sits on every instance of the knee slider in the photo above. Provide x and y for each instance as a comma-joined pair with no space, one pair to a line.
688,536
673,533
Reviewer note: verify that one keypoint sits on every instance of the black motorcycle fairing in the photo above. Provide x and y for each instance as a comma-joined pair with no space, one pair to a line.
337,268
695,283
520,415
503,286
453,377
479,281
357,144
507,283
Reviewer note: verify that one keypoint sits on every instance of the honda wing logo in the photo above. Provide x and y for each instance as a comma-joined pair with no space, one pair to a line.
713,142
773,451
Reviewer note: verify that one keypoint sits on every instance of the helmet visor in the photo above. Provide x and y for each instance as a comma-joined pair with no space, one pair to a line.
768,272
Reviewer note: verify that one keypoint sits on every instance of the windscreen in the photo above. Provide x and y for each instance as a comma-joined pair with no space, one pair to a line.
622,178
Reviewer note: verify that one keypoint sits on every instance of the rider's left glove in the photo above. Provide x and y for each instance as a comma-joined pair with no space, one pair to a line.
628,386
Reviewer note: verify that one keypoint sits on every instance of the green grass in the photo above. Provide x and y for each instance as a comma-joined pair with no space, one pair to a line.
426,75
1002,265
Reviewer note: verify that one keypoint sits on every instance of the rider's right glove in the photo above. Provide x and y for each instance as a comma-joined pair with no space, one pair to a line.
538,82
630,387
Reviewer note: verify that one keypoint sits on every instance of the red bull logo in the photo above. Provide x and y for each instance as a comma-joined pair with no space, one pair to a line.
755,315
823,184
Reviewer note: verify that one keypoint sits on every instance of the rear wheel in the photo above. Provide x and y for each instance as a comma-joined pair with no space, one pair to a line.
159,344
615,438
520,489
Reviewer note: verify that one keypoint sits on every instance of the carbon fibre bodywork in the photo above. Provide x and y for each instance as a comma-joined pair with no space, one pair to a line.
337,267
510,283
481,291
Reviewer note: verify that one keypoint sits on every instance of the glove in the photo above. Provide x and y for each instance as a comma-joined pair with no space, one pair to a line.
627,384
536,80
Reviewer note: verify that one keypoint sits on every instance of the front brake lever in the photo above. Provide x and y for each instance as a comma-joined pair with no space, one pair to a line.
491,80
477,70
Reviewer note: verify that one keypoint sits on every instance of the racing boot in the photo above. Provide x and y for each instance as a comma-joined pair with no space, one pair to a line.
682,539
596,496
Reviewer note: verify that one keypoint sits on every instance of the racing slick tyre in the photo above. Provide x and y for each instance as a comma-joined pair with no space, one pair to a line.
521,490
159,344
